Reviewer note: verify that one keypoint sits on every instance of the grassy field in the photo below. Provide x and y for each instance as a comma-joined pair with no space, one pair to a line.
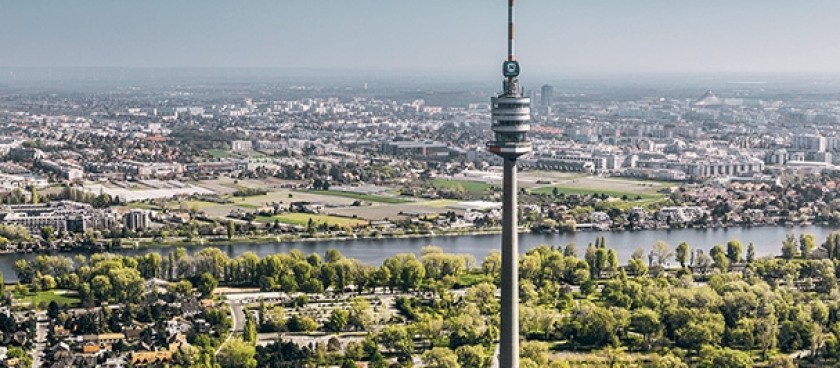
62,297
471,187
585,191
303,219
360,196
437,203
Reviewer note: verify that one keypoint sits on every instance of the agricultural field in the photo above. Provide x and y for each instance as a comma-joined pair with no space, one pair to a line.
360,196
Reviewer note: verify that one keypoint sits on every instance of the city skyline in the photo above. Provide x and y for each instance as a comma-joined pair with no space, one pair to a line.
566,38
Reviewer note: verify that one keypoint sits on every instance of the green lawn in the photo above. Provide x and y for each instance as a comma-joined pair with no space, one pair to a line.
62,297
587,191
468,279
360,196
626,205
189,204
471,187
141,205
303,219
220,153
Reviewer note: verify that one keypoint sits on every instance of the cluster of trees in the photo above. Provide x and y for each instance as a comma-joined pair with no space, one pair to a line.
104,277
18,196
14,233
770,306
249,192
101,200
116,278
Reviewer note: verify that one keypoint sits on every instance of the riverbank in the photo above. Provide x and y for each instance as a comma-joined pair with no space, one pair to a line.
373,250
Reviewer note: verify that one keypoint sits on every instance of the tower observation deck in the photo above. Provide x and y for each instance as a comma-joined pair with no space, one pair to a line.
511,111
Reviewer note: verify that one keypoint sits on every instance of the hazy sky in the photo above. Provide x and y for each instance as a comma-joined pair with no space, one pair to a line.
580,36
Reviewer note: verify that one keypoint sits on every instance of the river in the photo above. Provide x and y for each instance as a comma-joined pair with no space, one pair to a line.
767,241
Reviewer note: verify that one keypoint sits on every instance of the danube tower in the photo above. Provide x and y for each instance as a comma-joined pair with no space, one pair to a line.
511,115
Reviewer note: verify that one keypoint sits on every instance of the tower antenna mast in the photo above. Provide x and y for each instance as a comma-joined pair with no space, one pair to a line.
511,29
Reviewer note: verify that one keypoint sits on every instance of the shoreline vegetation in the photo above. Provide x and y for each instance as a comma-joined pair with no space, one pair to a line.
221,240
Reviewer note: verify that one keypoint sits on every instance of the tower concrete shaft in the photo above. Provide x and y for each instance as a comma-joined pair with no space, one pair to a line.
510,121
509,333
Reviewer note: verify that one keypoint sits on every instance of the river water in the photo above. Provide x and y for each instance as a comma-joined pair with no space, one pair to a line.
767,241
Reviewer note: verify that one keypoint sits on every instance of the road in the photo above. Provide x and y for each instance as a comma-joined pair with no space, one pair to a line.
238,315
41,325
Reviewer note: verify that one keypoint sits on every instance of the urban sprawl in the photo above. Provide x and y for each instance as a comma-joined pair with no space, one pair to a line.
186,166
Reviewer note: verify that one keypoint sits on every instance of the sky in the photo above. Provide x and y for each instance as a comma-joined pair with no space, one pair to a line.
435,36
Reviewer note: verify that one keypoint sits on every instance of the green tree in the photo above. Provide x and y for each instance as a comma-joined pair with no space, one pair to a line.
719,258
22,355
591,325
206,284
360,316
101,287
47,233
612,262
750,253
337,321
781,361
683,251
571,250
377,360
662,253
807,244
440,358
705,329
734,249
301,324
237,353
646,322
396,339
412,275
492,265
473,356
832,245
789,249
637,266
711,357
33,193
249,331
535,351
667,361
231,229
